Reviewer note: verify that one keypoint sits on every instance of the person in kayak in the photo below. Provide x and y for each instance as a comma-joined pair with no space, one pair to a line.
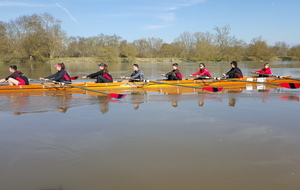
264,72
202,73
136,76
60,76
234,72
16,77
174,74
102,76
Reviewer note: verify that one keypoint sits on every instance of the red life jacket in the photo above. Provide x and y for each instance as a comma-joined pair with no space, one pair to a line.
108,76
178,74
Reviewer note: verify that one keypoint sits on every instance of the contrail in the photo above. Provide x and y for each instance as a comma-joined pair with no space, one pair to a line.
66,10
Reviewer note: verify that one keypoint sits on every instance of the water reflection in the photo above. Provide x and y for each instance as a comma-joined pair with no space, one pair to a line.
104,103
290,98
42,102
20,103
138,97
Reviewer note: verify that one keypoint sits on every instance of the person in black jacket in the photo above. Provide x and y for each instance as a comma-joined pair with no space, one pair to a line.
16,77
102,76
60,76
174,74
234,72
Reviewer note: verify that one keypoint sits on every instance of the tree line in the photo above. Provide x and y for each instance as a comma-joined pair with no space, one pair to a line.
40,38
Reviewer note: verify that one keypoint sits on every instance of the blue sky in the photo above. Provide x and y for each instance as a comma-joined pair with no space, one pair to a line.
274,20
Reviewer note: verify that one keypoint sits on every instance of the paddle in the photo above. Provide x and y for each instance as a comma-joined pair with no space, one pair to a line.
290,85
113,95
247,81
285,85
210,89
72,78
279,76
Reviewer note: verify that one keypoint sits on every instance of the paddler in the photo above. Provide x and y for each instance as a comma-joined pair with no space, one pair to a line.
102,76
136,76
202,73
60,76
234,72
16,77
264,72
174,74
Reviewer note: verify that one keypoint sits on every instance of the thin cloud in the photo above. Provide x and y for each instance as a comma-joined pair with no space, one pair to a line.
68,12
174,5
180,5
168,17
166,12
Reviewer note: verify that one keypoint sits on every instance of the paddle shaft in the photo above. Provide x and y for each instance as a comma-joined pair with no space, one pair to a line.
278,76
252,82
113,95
86,89
212,89
176,84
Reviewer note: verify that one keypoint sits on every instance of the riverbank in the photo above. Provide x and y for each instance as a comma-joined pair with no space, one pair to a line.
97,60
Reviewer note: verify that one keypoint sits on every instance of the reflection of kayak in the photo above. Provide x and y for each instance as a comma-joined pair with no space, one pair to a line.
291,98
150,84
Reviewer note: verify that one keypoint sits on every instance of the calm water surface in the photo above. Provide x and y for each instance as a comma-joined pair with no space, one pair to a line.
244,139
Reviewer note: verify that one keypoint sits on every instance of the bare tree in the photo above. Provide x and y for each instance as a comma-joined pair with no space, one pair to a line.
280,49
37,36
205,50
188,40
143,47
228,45
294,52
155,46
258,50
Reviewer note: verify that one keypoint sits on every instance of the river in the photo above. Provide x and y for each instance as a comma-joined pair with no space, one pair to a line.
244,139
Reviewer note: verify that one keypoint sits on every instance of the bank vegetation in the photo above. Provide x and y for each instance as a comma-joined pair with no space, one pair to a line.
40,38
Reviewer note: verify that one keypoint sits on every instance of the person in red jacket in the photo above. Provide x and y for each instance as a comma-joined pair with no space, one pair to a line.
264,72
102,76
174,74
60,76
16,77
202,73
